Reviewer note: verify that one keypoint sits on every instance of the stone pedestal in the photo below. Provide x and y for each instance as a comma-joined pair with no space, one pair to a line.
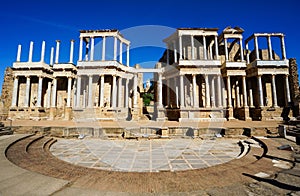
161,114
52,113
68,112
230,114
164,132
135,114
247,117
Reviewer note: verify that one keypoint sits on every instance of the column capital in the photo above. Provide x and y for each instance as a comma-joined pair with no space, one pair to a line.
72,40
57,41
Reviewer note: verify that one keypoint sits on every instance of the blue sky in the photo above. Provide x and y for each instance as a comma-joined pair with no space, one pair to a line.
50,20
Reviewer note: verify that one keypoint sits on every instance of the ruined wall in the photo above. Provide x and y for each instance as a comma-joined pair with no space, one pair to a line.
6,96
294,85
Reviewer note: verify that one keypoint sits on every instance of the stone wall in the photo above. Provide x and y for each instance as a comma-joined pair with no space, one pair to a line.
6,96
294,85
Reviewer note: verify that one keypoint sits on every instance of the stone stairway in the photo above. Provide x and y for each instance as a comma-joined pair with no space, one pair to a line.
5,130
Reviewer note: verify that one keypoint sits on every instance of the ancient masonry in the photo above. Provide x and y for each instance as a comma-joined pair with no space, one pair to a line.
202,76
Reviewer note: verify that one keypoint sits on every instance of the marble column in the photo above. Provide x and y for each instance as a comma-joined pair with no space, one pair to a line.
176,92
213,96
237,96
216,47
256,47
43,52
245,92
49,95
168,58
30,52
78,91
204,48
15,92
274,91
103,48
27,92
193,47
180,48
53,100
175,52
182,101
114,92
229,104
210,52
19,53
102,90
287,86
270,48
69,92
39,95
207,94
127,57
160,90
283,48
168,92
121,52
71,51
241,49
260,91
196,103
115,48
226,49
251,98
51,55
57,51
135,91
90,93
120,92
219,91
92,49
80,49
126,92
247,53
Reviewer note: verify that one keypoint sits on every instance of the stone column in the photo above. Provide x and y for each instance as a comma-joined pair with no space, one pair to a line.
175,52
19,53
49,95
57,51
270,47
237,97
80,49
103,48
219,91
119,92
204,48
53,100
210,52
15,92
115,48
193,46
168,92
241,49
114,92
168,60
274,91
39,96
207,94
126,92
30,52
180,48
121,48
92,49
256,48
213,96
283,48
229,104
287,86
182,101
102,91
27,92
251,98
247,53
71,51
216,47
78,91
160,90
51,56
43,52
245,92
176,92
260,91
90,93
226,49
127,58
196,103
69,92
135,91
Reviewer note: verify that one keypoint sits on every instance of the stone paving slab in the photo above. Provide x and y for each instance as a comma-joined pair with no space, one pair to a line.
146,155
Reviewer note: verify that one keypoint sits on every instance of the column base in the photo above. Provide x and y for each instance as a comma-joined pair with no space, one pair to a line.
68,113
247,114
230,114
52,113
160,114
135,114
